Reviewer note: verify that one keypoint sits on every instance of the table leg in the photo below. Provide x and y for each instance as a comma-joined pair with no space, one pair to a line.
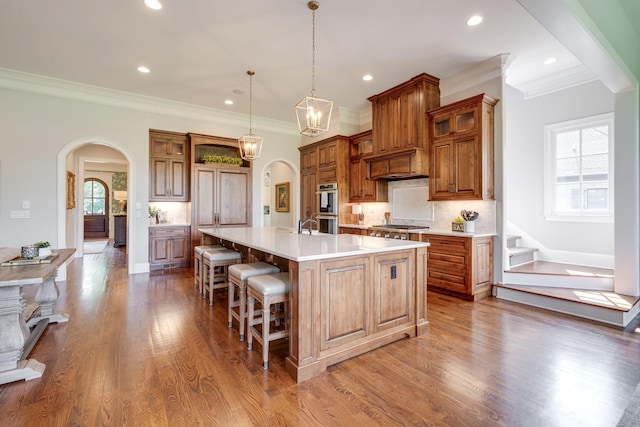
46,298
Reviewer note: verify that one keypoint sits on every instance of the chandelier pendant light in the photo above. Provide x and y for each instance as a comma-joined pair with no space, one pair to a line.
313,113
250,144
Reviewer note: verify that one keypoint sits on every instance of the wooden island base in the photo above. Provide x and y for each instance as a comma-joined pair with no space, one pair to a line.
344,306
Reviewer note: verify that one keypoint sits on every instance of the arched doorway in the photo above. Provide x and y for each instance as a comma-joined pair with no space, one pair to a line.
95,202
279,174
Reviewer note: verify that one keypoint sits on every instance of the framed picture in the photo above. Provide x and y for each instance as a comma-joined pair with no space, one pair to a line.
71,190
282,197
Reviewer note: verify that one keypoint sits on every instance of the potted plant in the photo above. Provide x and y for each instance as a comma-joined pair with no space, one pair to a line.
222,159
44,249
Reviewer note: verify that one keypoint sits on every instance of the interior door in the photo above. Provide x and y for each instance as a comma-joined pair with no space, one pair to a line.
96,208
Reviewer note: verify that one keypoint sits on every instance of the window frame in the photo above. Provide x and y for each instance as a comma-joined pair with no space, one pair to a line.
106,197
550,176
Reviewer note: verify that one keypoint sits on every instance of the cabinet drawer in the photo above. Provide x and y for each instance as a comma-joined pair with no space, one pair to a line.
169,231
327,175
453,260
447,281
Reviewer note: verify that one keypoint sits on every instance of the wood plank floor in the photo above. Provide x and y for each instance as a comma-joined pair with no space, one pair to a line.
145,350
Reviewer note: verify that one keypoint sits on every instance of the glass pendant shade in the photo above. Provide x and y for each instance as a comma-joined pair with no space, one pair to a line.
314,115
250,146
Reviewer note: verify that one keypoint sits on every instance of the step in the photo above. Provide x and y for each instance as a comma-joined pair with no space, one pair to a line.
520,255
554,274
512,241
602,306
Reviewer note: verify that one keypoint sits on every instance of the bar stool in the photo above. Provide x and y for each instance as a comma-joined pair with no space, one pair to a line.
238,275
215,265
267,289
197,263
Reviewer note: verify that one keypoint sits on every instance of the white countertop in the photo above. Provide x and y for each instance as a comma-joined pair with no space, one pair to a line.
287,243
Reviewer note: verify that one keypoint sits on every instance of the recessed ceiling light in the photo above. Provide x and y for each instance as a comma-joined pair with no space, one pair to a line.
550,60
367,77
144,69
474,20
228,102
153,4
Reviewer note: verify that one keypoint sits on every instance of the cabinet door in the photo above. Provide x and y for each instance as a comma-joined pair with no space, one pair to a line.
308,202
166,145
160,249
355,181
393,290
204,197
179,248
409,126
466,167
178,187
160,179
309,159
327,155
233,198
441,177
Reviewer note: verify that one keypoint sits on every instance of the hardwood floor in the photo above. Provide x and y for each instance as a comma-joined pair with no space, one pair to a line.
145,350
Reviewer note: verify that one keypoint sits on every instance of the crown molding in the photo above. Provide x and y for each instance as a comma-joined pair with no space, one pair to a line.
477,74
42,85
561,80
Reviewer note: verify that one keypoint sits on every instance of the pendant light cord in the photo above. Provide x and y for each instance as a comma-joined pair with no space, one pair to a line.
313,53
251,73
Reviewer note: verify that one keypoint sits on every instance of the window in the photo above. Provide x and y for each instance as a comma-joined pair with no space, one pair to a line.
579,170
95,197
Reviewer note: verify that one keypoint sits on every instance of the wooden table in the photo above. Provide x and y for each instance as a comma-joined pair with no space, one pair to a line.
16,338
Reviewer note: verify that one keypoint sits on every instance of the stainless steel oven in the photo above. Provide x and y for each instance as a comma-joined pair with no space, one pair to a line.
328,224
327,199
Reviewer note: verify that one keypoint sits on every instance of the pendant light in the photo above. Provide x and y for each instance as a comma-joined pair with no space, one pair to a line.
250,144
314,114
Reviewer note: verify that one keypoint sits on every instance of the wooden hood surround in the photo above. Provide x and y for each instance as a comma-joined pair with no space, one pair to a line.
400,129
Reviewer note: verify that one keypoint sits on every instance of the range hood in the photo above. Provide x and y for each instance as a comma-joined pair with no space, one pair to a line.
399,165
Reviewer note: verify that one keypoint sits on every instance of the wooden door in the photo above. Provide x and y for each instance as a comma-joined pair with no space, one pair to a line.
95,208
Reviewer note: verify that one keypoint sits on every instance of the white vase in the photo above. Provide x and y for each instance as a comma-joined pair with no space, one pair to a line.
44,252
469,227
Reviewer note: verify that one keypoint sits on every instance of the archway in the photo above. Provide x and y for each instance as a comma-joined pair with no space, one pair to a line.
279,172
70,228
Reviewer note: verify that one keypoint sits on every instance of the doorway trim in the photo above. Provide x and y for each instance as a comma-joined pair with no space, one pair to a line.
62,196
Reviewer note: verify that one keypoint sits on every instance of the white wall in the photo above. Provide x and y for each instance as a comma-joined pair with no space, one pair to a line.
37,128
281,172
525,168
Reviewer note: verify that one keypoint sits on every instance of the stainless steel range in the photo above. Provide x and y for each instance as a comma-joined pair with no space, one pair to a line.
394,231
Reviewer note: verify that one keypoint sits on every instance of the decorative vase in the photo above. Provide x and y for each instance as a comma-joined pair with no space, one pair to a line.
29,252
44,252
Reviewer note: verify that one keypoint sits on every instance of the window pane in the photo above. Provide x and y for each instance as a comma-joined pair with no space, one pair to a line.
87,188
568,197
87,207
98,206
595,140
98,190
597,164
568,144
568,168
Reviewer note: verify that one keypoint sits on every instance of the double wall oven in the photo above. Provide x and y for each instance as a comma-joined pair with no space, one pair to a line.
327,215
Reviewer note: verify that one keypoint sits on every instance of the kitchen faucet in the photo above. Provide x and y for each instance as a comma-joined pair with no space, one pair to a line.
301,225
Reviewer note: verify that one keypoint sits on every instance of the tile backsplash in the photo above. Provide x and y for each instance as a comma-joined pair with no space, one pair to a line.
409,204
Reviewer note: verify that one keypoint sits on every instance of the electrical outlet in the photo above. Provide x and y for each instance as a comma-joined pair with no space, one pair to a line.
26,204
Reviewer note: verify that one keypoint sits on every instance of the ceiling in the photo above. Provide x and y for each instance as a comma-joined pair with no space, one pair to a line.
199,51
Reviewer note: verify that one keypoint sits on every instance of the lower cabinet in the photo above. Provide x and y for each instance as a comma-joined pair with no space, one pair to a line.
460,266
169,247
119,230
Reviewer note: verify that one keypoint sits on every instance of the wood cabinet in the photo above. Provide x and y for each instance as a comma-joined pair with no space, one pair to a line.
119,230
400,125
324,162
168,166
221,198
460,266
462,150
361,187
169,247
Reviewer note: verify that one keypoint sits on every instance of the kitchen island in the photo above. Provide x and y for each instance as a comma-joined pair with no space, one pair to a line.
349,294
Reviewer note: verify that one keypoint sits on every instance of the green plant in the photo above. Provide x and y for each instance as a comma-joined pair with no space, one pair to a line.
221,158
153,212
42,244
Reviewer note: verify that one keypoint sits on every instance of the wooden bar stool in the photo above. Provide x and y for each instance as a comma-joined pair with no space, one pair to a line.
215,265
197,264
267,289
238,275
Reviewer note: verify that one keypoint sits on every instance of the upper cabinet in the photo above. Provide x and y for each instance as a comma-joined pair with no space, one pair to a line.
400,125
361,187
462,150
169,166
